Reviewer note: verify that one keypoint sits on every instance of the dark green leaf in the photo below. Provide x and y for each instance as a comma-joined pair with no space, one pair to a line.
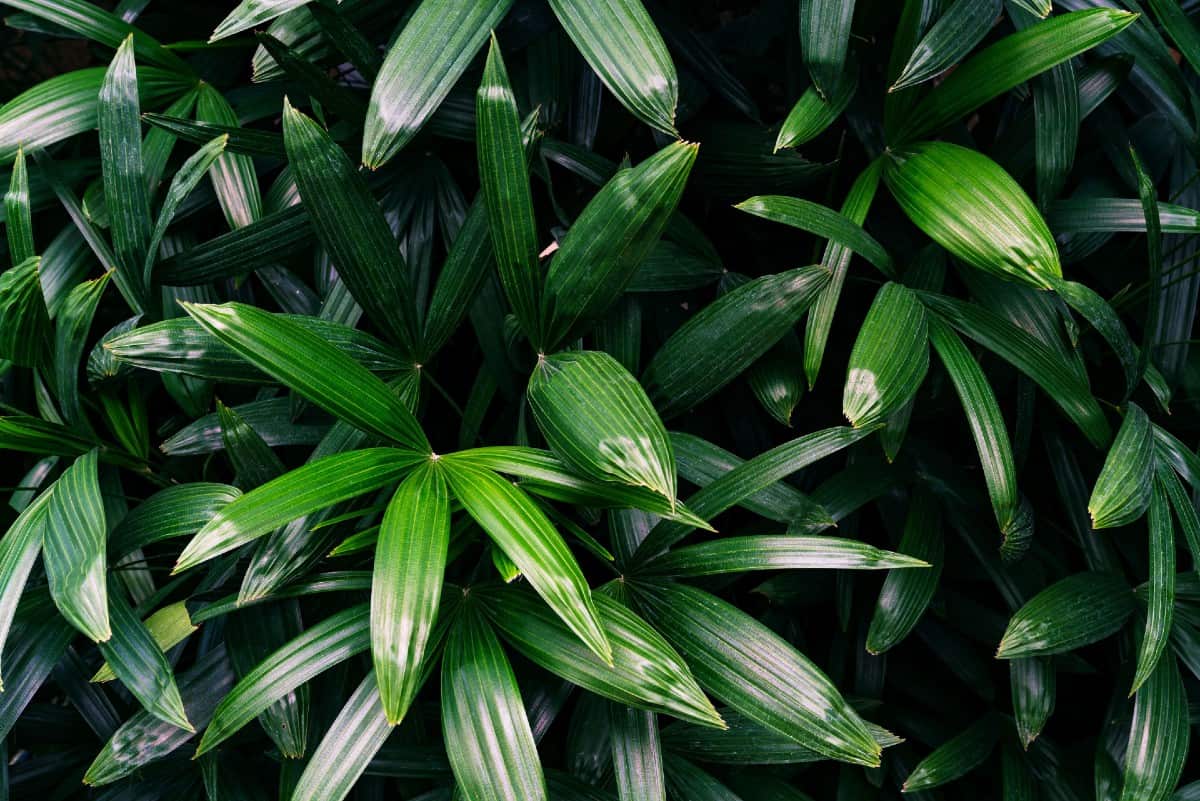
1069,614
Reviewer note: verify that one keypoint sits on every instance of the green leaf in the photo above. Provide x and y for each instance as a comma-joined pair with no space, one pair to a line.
182,184
488,739
740,554
824,40
1161,604
172,512
333,640
24,320
1076,611
233,176
889,359
251,14
813,113
95,23
967,204
837,259
1146,192
410,559
143,738
614,233
987,428
727,336
1016,346
66,105
70,337
431,53
954,758
73,549
168,626
504,176
757,672
906,594
254,463
1185,510
19,549
544,474
137,660
18,218
646,673
1114,214
313,368
1158,736
247,141
620,42
1011,61
597,419
40,640
351,226
520,528
750,478
1033,681
306,489
125,190
236,253
353,739
637,754
1181,29
822,221
1126,482
953,36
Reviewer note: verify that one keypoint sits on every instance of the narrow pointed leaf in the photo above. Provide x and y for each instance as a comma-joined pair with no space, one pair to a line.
1011,61
353,739
740,554
1158,736
1034,688
953,36
956,757
906,594
251,14
238,252
597,418
604,248
313,368
890,357
1073,612
182,184
70,337
504,176
19,549
433,50
813,113
18,220
1161,604
233,176
488,739
73,549
1126,482
825,39
410,558
351,226
757,672
124,174
139,663
622,45
637,754
320,647
520,528
967,204
726,337
822,221
168,626
647,673
306,489
24,319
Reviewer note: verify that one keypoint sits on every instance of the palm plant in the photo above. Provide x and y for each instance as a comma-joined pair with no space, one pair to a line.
425,400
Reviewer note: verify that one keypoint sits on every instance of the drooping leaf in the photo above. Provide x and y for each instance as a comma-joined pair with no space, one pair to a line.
24,319
1073,612
73,548
597,418
822,221
432,51
1126,482
825,40
19,549
955,757
488,739
754,670
1034,687
890,357
410,559
1161,603
520,528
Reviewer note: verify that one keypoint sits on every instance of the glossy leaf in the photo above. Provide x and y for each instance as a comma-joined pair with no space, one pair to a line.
1070,613
24,319
954,35
1161,604
740,554
955,757
1158,736
73,549
410,559
906,594
825,39
890,357
824,222
1126,482
597,418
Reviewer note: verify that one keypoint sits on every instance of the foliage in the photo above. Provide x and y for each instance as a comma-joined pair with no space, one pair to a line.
499,400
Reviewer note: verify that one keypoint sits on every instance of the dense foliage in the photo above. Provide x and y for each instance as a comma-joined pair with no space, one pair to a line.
538,456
